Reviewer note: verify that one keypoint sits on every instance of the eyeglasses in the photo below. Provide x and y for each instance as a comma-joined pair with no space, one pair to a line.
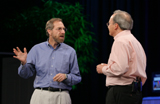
60,29
107,23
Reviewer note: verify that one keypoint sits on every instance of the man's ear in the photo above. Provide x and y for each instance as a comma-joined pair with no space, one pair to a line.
116,26
49,31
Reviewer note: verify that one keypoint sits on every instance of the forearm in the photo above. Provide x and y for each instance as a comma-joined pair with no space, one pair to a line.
72,79
26,71
113,70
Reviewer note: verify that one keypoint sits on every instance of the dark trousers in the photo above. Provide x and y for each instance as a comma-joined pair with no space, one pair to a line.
123,95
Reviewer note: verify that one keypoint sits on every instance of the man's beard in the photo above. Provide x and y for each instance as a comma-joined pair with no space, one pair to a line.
58,40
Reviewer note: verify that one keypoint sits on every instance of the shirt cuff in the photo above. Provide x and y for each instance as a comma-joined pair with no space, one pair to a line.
68,80
104,69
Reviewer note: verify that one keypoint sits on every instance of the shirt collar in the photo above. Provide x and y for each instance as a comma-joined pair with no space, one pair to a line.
51,46
122,33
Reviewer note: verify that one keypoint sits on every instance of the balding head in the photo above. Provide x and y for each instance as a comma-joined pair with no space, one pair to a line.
123,19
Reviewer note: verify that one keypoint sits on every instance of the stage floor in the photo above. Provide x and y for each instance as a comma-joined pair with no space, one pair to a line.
151,100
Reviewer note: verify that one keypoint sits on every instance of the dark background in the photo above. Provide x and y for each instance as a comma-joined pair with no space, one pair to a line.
145,13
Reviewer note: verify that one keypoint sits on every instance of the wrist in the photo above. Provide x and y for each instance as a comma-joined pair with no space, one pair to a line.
66,76
23,63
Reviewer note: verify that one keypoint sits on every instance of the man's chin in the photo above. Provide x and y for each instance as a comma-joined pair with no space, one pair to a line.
60,41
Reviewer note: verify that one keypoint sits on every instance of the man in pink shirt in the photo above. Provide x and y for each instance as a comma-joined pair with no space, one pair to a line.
125,71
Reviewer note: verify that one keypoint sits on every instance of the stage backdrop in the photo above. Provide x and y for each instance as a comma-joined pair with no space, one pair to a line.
145,14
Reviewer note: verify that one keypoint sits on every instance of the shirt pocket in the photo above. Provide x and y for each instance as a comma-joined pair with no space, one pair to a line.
62,64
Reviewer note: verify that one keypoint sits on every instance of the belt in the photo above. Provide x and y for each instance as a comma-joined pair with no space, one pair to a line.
130,85
52,89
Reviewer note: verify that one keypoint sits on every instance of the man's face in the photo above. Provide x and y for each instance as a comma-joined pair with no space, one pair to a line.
111,26
57,34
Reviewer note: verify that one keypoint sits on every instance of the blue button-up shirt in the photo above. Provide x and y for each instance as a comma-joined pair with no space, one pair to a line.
46,62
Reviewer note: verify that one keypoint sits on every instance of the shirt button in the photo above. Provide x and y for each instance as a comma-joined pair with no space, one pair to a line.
52,57
51,65
51,73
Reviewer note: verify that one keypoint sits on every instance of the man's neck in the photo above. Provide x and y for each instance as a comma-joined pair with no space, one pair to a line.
53,43
117,32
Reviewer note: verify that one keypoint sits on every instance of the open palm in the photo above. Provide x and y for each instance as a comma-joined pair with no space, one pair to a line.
20,55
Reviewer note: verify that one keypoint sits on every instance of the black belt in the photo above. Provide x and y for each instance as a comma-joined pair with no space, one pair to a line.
134,86
130,85
52,89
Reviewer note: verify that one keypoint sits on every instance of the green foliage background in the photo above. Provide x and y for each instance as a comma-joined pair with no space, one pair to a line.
29,27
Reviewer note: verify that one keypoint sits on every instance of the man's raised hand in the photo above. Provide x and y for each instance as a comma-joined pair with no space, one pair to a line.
21,56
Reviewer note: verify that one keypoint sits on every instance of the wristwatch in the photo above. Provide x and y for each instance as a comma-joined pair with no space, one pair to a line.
66,76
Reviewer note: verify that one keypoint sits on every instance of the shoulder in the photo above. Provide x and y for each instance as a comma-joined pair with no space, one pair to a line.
39,46
42,44
125,39
67,48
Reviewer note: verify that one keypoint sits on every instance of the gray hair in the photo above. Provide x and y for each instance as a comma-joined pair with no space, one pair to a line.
49,24
123,19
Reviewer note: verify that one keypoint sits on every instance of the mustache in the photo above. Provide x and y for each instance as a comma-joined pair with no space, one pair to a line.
62,35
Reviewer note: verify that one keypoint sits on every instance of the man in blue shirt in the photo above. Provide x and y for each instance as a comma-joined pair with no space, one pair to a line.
54,63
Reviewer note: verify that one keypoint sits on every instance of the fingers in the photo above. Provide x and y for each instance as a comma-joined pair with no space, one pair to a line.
99,68
18,52
59,77
25,50
15,51
18,49
15,57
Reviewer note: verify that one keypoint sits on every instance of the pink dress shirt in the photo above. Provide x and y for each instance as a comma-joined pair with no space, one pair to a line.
127,60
